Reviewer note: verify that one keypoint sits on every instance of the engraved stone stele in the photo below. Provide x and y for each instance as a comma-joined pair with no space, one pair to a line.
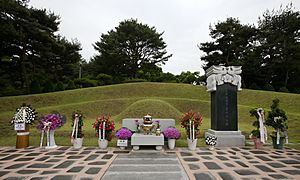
223,83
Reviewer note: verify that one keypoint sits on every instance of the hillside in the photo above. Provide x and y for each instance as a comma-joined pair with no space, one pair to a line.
161,100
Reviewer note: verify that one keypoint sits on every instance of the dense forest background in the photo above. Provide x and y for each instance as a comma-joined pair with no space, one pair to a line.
35,58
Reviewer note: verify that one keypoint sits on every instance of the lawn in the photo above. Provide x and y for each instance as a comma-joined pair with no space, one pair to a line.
161,100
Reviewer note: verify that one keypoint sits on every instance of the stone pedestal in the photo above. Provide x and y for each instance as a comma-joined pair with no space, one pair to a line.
138,139
227,138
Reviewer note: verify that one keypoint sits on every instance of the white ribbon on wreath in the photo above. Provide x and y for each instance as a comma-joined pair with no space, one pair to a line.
75,128
262,128
46,127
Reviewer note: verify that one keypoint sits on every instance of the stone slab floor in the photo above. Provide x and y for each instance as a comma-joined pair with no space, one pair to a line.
92,163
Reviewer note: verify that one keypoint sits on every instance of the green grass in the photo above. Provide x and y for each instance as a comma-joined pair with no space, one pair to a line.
161,100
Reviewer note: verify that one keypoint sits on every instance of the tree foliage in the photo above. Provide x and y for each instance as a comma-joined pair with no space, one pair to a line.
30,50
128,48
269,53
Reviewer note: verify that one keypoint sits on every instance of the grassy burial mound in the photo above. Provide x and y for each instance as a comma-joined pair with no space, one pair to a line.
161,100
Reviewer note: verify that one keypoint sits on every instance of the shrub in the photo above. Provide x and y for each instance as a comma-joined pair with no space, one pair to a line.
268,87
71,85
85,82
104,79
134,80
283,89
49,87
59,86
35,87
254,86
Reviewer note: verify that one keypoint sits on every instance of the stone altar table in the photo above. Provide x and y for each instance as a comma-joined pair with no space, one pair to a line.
139,139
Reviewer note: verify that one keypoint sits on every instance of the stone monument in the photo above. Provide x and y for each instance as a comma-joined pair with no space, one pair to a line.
223,83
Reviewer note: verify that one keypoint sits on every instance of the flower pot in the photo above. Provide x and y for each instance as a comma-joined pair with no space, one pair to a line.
77,143
211,147
103,143
51,140
275,145
22,140
171,143
192,144
257,143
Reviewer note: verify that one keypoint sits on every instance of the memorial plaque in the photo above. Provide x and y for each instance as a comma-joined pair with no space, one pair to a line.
224,108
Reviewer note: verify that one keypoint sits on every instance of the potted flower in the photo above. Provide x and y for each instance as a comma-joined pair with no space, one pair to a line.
123,135
104,128
23,116
171,133
277,119
48,123
191,121
77,135
259,134
211,141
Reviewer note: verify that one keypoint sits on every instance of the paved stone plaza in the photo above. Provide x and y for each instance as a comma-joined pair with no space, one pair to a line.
93,163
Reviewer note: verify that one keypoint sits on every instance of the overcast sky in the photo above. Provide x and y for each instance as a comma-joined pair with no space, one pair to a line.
185,23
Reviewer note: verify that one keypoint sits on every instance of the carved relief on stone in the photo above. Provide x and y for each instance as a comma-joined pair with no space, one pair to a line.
218,75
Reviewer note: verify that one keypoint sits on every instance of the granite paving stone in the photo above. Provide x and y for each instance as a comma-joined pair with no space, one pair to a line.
93,170
33,154
50,172
40,165
23,159
264,158
212,165
63,177
204,153
27,171
206,157
121,152
97,163
38,178
278,176
10,157
290,161
193,166
226,176
2,173
43,158
16,166
76,169
204,176
107,156
264,168
15,178
229,164
292,172
85,152
246,172
75,157
186,154
55,153
258,152
223,158
241,164
191,159
91,157
64,164
64,148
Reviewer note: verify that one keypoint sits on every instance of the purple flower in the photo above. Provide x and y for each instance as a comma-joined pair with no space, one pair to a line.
157,121
56,121
171,133
123,133
137,122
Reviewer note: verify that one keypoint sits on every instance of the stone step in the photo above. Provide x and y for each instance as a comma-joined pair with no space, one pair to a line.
144,168
144,161
145,176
